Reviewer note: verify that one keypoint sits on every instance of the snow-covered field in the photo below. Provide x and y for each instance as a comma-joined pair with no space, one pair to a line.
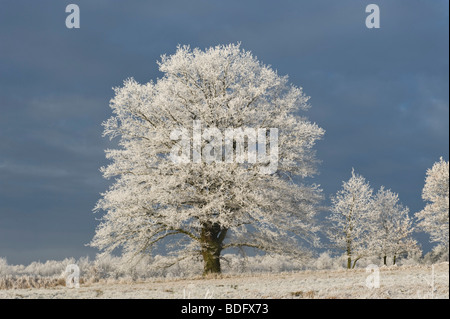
394,282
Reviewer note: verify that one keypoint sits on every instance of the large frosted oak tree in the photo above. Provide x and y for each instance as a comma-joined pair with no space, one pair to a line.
202,208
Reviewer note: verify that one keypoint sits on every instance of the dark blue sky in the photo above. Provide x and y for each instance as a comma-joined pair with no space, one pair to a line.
381,95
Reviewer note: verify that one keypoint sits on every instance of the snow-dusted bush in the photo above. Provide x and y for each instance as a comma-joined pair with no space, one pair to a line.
412,259
324,261
50,268
269,263
108,268
437,255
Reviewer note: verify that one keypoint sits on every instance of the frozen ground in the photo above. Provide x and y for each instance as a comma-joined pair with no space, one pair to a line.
394,282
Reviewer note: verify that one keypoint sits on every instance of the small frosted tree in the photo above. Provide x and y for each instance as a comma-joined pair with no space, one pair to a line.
433,219
201,208
390,227
349,218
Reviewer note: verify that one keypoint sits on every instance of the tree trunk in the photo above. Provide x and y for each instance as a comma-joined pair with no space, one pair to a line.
211,260
384,259
212,236
349,252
